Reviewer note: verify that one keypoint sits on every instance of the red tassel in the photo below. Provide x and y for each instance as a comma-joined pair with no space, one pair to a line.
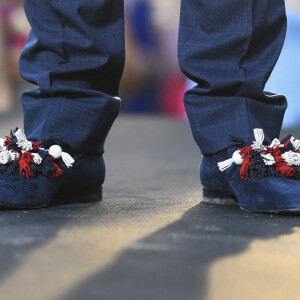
286,143
58,170
273,151
245,168
8,142
282,167
36,145
245,151
24,163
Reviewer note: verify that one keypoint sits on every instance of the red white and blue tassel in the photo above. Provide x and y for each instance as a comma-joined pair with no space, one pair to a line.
31,158
280,158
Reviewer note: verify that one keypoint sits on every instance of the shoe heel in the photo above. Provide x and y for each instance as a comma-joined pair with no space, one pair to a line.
216,197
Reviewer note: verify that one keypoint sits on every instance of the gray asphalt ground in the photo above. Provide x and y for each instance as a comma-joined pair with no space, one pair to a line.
151,237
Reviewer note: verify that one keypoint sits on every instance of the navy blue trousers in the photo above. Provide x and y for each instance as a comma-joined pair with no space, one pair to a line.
75,54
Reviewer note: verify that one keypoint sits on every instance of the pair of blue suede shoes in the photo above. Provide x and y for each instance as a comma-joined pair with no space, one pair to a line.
260,178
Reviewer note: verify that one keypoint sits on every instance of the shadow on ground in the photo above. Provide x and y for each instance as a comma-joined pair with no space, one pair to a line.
173,262
152,182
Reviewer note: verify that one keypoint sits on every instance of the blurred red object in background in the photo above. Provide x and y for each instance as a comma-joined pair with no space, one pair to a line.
171,95
16,29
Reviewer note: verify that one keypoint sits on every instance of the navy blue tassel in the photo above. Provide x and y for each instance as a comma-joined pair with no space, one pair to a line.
289,147
47,167
12,135
12,132
257,169
288,137
297,173
14,146
36,169
271,172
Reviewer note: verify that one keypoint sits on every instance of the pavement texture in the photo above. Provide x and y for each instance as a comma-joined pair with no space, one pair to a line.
151,237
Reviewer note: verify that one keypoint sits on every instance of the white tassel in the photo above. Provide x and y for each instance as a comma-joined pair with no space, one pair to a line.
37,159
291,158
275,143
224,165
259,139
14,155
20,135
5,157
56,152
22,141
296,143
2,147
67,159
236,158
269,159
259,135
26,146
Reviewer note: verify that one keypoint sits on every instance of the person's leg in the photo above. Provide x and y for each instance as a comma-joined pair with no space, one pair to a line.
229,48
75,54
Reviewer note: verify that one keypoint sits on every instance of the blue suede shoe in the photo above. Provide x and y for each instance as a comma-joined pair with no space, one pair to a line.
37,174
260,178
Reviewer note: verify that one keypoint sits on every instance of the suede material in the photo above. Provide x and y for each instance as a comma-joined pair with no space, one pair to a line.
84,177
208,170
266,194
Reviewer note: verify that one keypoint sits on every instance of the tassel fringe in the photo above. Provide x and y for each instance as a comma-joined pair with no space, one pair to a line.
32,158
279,159
67,159
224,165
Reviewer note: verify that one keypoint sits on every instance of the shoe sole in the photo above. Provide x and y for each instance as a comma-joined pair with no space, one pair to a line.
217,197
61,199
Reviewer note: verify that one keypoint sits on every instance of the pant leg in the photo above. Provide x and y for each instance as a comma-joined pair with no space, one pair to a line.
229,48
75,54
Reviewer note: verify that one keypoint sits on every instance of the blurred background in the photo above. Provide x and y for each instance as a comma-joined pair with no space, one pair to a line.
152,80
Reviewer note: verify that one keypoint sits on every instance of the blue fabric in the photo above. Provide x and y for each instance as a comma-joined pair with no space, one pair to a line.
229,48
75,54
